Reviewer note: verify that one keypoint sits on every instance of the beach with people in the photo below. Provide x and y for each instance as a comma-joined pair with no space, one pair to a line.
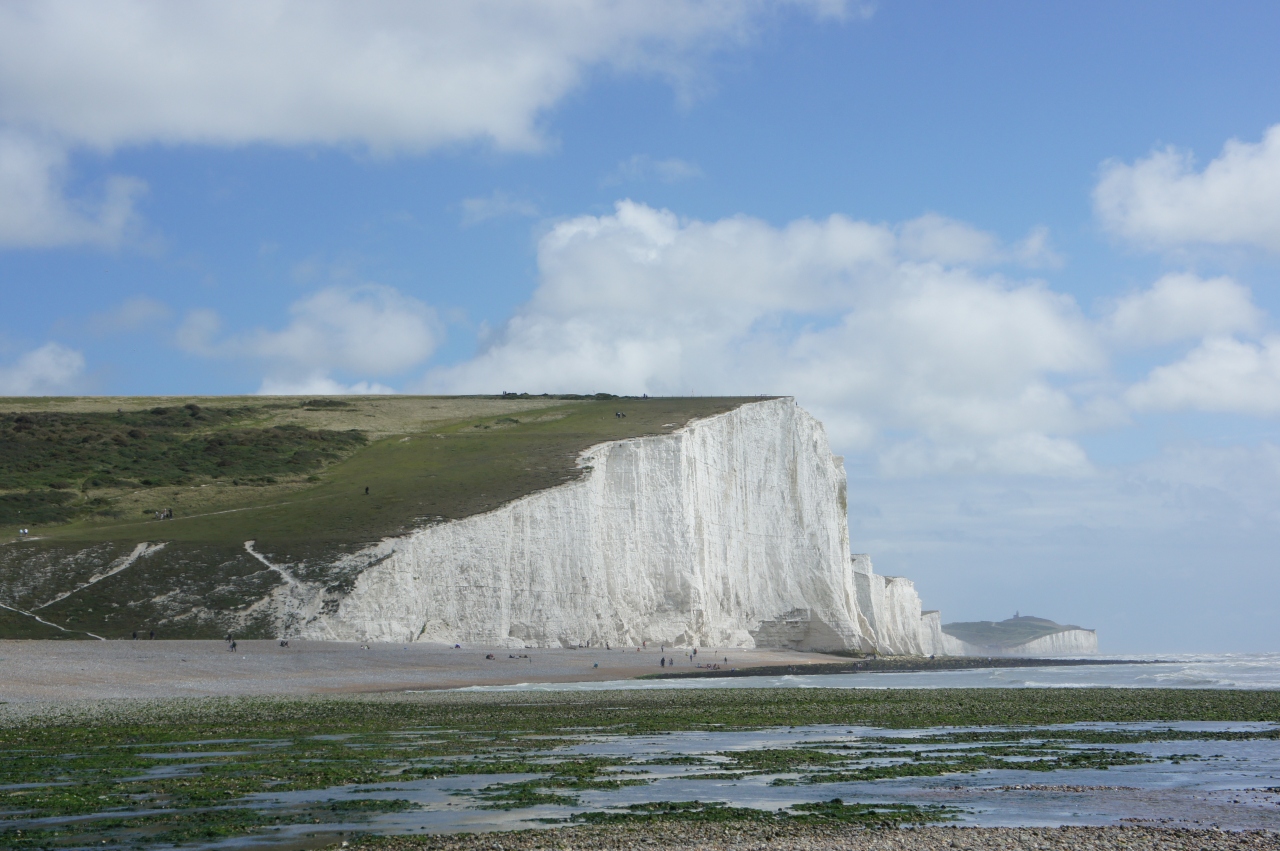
86,670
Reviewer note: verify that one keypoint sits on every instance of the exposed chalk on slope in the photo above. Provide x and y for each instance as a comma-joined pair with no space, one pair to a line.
286,575
697,537
141,550
51,623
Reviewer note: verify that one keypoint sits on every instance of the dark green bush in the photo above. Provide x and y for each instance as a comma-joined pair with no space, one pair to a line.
153,448
35,508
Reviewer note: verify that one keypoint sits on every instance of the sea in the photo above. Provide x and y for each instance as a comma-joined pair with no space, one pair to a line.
1210,783
1190,775
1195,670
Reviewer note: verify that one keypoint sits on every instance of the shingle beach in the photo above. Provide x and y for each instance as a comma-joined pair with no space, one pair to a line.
708,837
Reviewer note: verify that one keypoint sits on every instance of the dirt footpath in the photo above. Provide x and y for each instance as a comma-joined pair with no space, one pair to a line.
71,670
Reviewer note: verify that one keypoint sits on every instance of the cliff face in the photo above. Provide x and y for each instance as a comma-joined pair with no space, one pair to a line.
1069,642
890,607
931,633
728,532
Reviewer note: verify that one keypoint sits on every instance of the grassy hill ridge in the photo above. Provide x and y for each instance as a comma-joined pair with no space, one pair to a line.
294,481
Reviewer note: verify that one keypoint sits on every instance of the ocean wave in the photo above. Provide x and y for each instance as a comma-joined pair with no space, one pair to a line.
1227,671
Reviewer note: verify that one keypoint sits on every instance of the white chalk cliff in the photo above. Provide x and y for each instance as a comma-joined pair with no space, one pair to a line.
731,531
1068,642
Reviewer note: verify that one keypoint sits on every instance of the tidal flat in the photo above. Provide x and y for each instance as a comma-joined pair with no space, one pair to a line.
397,769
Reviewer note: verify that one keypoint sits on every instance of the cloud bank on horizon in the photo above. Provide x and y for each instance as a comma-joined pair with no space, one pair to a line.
389,197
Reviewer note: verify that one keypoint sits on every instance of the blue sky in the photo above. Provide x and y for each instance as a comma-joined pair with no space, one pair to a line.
1020,258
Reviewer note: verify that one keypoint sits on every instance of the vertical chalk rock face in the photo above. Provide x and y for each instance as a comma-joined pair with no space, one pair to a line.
728,532
891,609
1021,635
1069,642
933,640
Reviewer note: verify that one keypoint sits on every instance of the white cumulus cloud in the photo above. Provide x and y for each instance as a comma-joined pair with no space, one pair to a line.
36,211
840,313
48,370
945,240
366,332
1222,374
1162,201
1182,306
387,75
320,384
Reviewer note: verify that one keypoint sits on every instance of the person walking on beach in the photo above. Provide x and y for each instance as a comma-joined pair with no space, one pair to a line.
232,648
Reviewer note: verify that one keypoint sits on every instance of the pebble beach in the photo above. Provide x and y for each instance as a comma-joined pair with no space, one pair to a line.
792,837
68,670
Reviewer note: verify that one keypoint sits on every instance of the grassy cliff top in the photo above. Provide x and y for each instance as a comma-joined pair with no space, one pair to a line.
1007,633
309,480
291,469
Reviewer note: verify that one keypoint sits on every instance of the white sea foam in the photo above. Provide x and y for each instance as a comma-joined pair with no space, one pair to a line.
1226,671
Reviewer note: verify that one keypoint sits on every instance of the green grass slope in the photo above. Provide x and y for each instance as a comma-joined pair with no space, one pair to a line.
87,476
1005,634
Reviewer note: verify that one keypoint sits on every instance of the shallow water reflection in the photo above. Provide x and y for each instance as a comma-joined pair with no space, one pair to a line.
1189,782
1190,774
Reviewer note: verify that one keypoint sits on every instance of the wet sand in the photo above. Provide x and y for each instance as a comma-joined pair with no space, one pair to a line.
78,670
